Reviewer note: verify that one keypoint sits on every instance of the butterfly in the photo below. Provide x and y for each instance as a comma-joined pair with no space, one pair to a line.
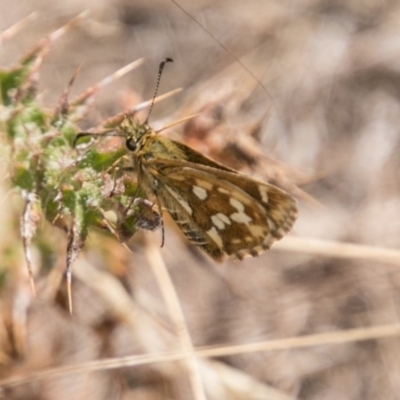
218,209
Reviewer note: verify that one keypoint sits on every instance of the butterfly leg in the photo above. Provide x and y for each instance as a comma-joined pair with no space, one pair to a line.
160,210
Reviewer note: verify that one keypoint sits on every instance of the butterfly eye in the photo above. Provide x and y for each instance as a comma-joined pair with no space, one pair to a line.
131,144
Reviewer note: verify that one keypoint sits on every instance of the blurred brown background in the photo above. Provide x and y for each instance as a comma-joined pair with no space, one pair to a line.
330,113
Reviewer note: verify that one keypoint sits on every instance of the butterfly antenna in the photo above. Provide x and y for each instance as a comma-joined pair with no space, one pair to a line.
160,71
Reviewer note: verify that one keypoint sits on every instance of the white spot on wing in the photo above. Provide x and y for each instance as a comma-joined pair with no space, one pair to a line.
224,218
220,220
237,204
239,216
242,218
200,192
215,236
181,200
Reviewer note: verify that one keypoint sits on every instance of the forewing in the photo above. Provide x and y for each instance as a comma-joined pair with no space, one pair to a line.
223,211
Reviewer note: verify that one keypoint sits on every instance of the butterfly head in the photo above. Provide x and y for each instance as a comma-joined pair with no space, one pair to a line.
134,132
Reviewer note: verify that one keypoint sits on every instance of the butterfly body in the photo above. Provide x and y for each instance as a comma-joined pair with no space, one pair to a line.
218,209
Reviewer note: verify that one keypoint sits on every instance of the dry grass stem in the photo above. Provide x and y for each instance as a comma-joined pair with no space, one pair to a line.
329,248
176,314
